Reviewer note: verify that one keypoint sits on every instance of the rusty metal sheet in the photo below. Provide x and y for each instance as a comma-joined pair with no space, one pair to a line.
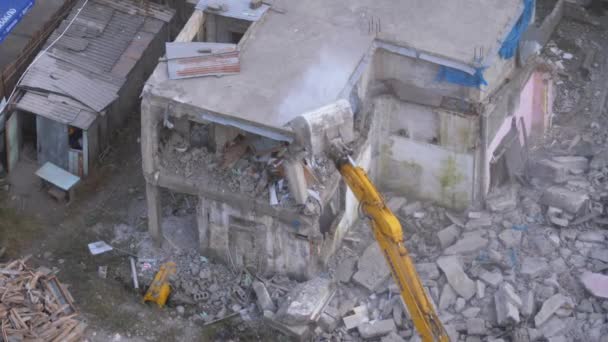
196,59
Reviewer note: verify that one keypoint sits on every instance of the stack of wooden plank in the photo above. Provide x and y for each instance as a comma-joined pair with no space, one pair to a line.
35,306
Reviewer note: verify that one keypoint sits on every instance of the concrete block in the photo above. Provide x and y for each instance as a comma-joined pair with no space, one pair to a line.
376,329
299,333
392,337
502,200
263,297
574,164
471,312
570,201
457,278
591,236
448,236
492,278
534,267
548,170
460,304
372,268
328,322
468,244
306,301
506,312
510,237
346,268
483,222
476,326
599,254
448,297
511,295
428,270
549,307
480,289
528,303
596,284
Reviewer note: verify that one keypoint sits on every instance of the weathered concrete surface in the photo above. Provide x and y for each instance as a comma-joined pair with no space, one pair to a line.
458,279
306,301
264,300
559,197
372,268
448,235
506,306
468,244
376,329
596,284
550,306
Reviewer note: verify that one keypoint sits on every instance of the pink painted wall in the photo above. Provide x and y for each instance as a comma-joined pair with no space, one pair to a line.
533,109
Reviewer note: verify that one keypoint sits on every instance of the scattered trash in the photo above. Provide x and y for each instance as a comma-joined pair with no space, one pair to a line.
102,271
99,247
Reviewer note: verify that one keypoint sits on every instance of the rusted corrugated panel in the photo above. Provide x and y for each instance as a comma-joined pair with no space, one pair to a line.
213,64
201,59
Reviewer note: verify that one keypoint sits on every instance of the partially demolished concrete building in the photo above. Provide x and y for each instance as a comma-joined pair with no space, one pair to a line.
239,111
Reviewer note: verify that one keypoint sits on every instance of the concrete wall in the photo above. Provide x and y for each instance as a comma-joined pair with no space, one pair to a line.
252,240
532,113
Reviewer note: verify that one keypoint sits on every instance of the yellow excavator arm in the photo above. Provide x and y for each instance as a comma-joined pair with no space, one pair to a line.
389,235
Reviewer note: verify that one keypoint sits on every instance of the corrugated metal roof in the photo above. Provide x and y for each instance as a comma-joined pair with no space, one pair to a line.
91,61
149,9
60,111
187,60
238,9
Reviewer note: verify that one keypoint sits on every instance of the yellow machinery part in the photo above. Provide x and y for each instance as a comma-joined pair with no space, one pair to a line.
160,289
389,235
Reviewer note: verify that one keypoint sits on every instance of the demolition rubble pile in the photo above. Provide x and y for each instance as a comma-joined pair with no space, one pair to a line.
249,165
35,306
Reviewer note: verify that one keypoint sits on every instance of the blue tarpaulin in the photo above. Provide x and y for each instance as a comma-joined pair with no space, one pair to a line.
509,46
462,78
11,12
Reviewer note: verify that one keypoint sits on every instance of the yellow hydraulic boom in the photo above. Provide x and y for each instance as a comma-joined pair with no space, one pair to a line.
388,233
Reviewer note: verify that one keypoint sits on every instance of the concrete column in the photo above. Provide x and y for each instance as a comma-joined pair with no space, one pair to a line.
202,221
154,213
150,115
294,171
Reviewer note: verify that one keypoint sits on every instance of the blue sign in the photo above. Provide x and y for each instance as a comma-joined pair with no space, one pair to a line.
11,12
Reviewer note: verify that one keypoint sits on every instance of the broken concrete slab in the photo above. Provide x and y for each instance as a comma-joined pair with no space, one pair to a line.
359,317
574,164
599,254
502,200
448,236
591,236
392,337
549,307
548,170
506,310
471,312
428,270
411,208
476,326
376,329
492,278
510,237
305,302
458,279
345,269
570,201
596,284
448,297
534,267
372,268
468,244
485,221
263,297
528,303
300,333
329,319
480,289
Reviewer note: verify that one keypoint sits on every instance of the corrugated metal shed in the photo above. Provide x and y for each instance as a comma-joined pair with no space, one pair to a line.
238,9
57,109
187,60
82,74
